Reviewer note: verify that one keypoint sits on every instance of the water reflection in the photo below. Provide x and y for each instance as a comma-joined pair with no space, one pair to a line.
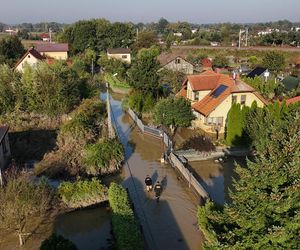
88,228
217,178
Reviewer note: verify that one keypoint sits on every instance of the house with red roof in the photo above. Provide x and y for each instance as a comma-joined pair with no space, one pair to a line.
212,95
293,100
45,37
32,57
57,51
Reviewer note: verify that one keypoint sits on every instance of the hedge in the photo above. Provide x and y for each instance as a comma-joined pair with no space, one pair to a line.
124,225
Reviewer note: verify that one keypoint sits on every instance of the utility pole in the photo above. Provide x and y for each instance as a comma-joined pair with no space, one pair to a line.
240,34
246,37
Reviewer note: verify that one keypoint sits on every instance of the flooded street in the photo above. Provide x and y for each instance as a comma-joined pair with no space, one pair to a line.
171,223
215,177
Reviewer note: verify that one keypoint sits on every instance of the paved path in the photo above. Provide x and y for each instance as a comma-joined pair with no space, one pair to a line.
171,223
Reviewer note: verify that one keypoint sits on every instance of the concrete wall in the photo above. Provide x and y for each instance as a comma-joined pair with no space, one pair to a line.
56,55
120,57
184,66
4,157
29,59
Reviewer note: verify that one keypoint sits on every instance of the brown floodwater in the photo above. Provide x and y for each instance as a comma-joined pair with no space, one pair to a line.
217,178
88,228
171,223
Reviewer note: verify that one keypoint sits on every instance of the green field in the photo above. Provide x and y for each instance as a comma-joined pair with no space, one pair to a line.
115,82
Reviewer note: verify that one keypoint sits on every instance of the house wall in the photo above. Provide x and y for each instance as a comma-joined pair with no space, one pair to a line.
223,109
29,59
56,55
120,57
4,157
184,66
191,94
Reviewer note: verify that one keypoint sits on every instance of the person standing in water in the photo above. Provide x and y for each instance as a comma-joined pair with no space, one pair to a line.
148,182
157,190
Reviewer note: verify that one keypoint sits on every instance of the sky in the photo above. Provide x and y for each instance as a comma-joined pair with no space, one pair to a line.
194,11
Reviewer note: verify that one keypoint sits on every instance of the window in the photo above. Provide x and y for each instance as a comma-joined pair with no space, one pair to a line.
214,121
124,56
218,91
196,95
234,99
177,61
243,99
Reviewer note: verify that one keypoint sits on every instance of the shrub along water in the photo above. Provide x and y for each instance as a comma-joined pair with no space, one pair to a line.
82,193
125,227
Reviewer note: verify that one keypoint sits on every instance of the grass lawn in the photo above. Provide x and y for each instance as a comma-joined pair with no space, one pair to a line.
115,82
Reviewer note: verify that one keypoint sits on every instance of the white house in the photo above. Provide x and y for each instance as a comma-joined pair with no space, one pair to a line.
122,54
31,57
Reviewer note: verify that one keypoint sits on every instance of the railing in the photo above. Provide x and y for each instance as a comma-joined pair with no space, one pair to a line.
174,160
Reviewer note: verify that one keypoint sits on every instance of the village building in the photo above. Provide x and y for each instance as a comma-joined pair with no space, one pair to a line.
206,64
4,147
212,95
175,63
31,57
58,51
45,37
123,54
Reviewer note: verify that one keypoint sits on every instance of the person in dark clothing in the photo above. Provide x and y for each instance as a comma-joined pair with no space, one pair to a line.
157,190
148,182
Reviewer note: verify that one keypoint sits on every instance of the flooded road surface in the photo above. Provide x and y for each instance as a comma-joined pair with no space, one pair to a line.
88,228
171,223
217,178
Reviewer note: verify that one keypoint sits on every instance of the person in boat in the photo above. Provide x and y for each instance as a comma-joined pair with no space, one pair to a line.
148,182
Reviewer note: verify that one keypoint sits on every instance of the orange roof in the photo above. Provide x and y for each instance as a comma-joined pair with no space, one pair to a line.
293,100
207,80
182,92
224,86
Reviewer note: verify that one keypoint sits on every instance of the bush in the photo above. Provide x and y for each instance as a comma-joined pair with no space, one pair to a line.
124,224
57,242
199,143
103,156
82,193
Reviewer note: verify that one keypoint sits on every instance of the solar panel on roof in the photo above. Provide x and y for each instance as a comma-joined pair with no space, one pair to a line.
218,91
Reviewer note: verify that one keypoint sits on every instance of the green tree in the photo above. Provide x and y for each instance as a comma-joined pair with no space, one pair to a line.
22,204
174,112
264,212
11,49
102,155
145,39
8,82
236,125
143,74
274,61
220,61
57,242
162,25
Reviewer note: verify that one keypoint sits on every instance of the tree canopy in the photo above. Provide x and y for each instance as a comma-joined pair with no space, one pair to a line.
11,49
174,112
143,74
274,61
264,212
